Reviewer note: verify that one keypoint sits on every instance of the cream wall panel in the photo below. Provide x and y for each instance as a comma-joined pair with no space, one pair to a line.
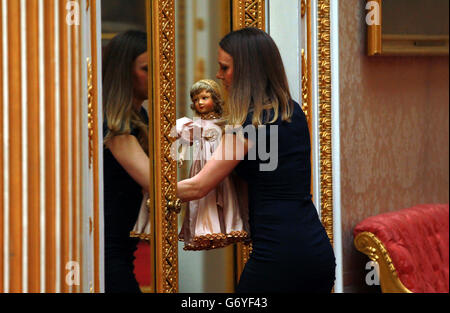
394,132
284,18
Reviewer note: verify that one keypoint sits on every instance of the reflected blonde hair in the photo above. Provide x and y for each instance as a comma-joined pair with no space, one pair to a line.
213,88
259,78
120,115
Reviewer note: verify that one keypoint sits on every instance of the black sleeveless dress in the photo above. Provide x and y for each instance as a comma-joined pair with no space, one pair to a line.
122,201
291,250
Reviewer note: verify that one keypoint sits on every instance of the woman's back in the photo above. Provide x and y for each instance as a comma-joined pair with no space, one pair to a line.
122,201
286,174
289,242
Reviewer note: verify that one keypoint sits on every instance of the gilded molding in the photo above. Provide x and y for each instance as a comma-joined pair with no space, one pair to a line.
324,60
374,40
164,118
94,134
91,121
305,87
369,244
249,13
306,70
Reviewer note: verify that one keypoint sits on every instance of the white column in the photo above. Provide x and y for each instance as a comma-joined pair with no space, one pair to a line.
23,78
87,244
101,245
70,140
42,146
335,142
57,151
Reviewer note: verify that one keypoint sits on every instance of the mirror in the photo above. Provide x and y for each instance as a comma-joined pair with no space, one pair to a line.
200,24
120,16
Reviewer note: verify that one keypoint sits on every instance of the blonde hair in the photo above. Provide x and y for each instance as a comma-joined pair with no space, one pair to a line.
213,88
119,112
259,79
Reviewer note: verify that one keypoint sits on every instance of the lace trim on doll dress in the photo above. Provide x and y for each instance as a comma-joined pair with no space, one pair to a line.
217,240
142,229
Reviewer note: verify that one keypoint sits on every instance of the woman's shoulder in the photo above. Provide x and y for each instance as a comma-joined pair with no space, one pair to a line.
298,111
268,115
134,131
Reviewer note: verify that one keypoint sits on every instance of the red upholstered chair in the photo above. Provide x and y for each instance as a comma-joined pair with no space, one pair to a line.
411,247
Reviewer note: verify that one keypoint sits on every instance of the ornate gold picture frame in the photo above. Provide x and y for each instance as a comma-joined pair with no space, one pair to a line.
407,27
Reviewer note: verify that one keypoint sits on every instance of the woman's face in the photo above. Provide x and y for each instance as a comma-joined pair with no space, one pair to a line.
140,77
225,73
203,102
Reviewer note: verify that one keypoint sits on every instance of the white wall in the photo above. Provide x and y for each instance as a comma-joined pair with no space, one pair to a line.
284,18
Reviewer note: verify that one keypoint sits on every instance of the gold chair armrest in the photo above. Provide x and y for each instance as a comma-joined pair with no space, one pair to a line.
369,244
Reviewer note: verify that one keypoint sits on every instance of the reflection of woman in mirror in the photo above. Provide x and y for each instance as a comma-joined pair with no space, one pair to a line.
126,163
291,250
216,219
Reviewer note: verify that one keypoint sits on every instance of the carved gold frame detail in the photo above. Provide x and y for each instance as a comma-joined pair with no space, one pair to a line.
249,13
162,114
163,171
324,68
369,244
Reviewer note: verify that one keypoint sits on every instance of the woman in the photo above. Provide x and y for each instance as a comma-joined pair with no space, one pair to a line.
125,67
291,251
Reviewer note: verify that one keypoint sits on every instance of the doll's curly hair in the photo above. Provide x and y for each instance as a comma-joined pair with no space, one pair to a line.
213,88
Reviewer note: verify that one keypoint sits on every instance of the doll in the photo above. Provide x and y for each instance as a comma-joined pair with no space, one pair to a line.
220,218
142,229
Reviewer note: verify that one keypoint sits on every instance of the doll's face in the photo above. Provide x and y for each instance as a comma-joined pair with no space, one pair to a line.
203,102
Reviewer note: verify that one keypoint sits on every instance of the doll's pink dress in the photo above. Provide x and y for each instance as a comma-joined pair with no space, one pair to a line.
221,217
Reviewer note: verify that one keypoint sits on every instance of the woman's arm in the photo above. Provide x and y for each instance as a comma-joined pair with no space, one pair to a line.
129,153
227,156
